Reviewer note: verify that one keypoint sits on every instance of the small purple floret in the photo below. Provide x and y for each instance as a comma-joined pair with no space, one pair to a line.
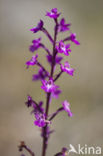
40,120
36,44
29,101
53,14
49,86
32,61
62,48
63,26
66,107
66,68
57,60
38,27
39,114
56,93
73,38
42,74
38,108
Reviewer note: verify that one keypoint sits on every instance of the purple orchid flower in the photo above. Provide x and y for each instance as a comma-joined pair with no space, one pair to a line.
63,26
32,61
73,38
53,14
66,68
40,120
36,44
58,59
38,108
49,86
29,101
42,75
38,27
66,107
40,116
56,93
62,48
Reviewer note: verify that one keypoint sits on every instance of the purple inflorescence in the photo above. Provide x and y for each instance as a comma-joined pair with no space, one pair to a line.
54,56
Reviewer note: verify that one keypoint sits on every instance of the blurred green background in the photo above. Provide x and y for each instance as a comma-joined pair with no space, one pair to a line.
84,91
